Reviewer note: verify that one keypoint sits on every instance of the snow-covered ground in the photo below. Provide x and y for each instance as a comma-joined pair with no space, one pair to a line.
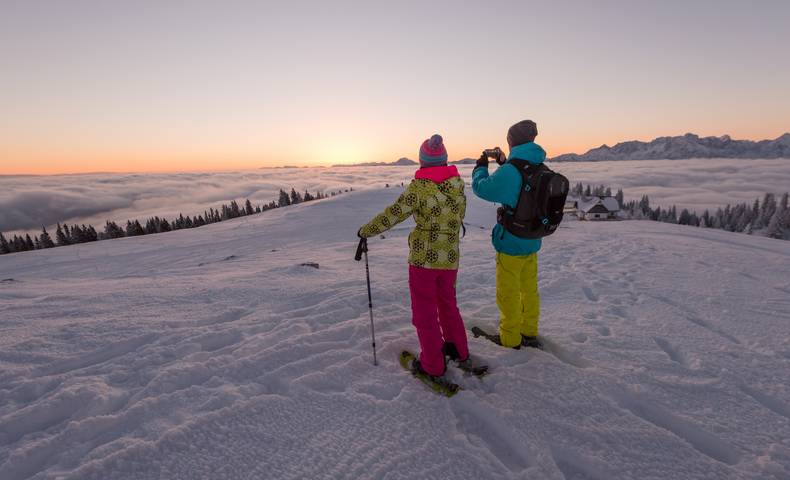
212,353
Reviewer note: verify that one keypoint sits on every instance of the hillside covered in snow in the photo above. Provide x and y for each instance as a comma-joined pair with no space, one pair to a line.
220,353
683,147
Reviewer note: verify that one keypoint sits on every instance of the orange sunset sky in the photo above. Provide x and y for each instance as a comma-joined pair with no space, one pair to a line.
172,86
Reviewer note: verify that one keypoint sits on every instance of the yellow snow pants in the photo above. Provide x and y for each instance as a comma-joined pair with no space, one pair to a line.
517,297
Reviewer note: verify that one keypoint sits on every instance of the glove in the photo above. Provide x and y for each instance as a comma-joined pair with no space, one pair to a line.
359,233
502,157
482,161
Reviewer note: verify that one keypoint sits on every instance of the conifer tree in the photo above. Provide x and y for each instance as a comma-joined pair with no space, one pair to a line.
61,237
4,246
45,239
784,212
774,229
248,207
79,234
17,244
295,197
137,229
285,200
112,230
235,211
91,234
151,226
768,209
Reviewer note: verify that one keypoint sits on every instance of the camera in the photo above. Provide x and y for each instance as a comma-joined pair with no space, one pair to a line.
497,154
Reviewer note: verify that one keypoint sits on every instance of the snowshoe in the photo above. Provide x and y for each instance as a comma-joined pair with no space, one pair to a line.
531,342
479,332
439,384
468,365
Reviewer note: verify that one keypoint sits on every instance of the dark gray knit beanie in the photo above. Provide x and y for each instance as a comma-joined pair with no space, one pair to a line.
524,131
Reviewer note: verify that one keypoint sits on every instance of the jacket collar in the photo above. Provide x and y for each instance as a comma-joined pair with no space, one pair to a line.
531,152
437,174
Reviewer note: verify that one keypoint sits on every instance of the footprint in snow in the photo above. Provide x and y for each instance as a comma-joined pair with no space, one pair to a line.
579,337
590,294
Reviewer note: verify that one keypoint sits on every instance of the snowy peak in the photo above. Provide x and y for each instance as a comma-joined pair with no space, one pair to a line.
404,161
685,146
401,162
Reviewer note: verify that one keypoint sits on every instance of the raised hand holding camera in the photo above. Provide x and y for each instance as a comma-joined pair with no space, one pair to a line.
482,161
496,153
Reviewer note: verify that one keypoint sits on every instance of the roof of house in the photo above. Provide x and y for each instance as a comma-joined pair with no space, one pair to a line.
607,204
597,209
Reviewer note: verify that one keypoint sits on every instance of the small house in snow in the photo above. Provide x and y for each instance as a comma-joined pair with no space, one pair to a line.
598,208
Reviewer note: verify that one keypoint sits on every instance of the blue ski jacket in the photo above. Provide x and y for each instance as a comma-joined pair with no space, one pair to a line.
504,186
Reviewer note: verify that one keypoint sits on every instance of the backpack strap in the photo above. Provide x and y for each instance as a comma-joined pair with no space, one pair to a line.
527,171
528,191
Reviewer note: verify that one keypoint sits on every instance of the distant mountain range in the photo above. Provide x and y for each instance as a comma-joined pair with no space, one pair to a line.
662,148
401,162
685,146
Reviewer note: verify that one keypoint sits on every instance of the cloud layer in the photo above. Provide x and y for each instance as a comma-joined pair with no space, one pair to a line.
694,184
29,202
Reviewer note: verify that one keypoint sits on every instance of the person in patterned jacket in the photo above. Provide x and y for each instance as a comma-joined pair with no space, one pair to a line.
436,200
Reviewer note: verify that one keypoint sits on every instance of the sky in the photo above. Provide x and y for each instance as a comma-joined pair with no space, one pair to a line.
150,86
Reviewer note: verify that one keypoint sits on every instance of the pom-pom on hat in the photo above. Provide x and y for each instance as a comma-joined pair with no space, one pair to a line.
432,152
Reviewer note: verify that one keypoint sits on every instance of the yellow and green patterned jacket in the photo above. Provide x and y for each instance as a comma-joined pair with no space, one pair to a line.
436,200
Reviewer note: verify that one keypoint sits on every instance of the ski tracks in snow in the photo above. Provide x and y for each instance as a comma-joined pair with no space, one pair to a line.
226,358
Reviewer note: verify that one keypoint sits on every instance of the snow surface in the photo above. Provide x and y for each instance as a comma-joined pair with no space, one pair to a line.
212,353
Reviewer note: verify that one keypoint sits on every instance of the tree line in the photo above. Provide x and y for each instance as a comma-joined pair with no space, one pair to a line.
769,217
74,234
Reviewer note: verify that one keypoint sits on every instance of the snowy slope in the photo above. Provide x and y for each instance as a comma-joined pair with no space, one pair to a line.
211,353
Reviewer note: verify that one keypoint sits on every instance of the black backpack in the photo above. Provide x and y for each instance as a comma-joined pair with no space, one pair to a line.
538,212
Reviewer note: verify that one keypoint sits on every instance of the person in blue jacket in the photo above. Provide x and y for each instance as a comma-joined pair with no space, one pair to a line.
516,258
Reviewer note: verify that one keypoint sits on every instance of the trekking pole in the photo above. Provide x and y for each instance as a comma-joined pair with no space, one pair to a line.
362,248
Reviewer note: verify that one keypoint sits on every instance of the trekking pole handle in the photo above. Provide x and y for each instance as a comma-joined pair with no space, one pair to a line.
361,248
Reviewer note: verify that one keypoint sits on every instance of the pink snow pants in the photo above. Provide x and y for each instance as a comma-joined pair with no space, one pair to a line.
435,315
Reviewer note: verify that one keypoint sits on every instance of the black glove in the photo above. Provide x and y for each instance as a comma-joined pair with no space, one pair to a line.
359,233
362,247
482,161
502,157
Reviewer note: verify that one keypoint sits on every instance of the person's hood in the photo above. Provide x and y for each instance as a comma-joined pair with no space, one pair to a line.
531,152
437,174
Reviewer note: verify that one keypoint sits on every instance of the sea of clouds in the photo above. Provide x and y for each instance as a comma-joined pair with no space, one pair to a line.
29,202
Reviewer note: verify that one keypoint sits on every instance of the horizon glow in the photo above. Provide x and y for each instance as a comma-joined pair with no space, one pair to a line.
91,86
